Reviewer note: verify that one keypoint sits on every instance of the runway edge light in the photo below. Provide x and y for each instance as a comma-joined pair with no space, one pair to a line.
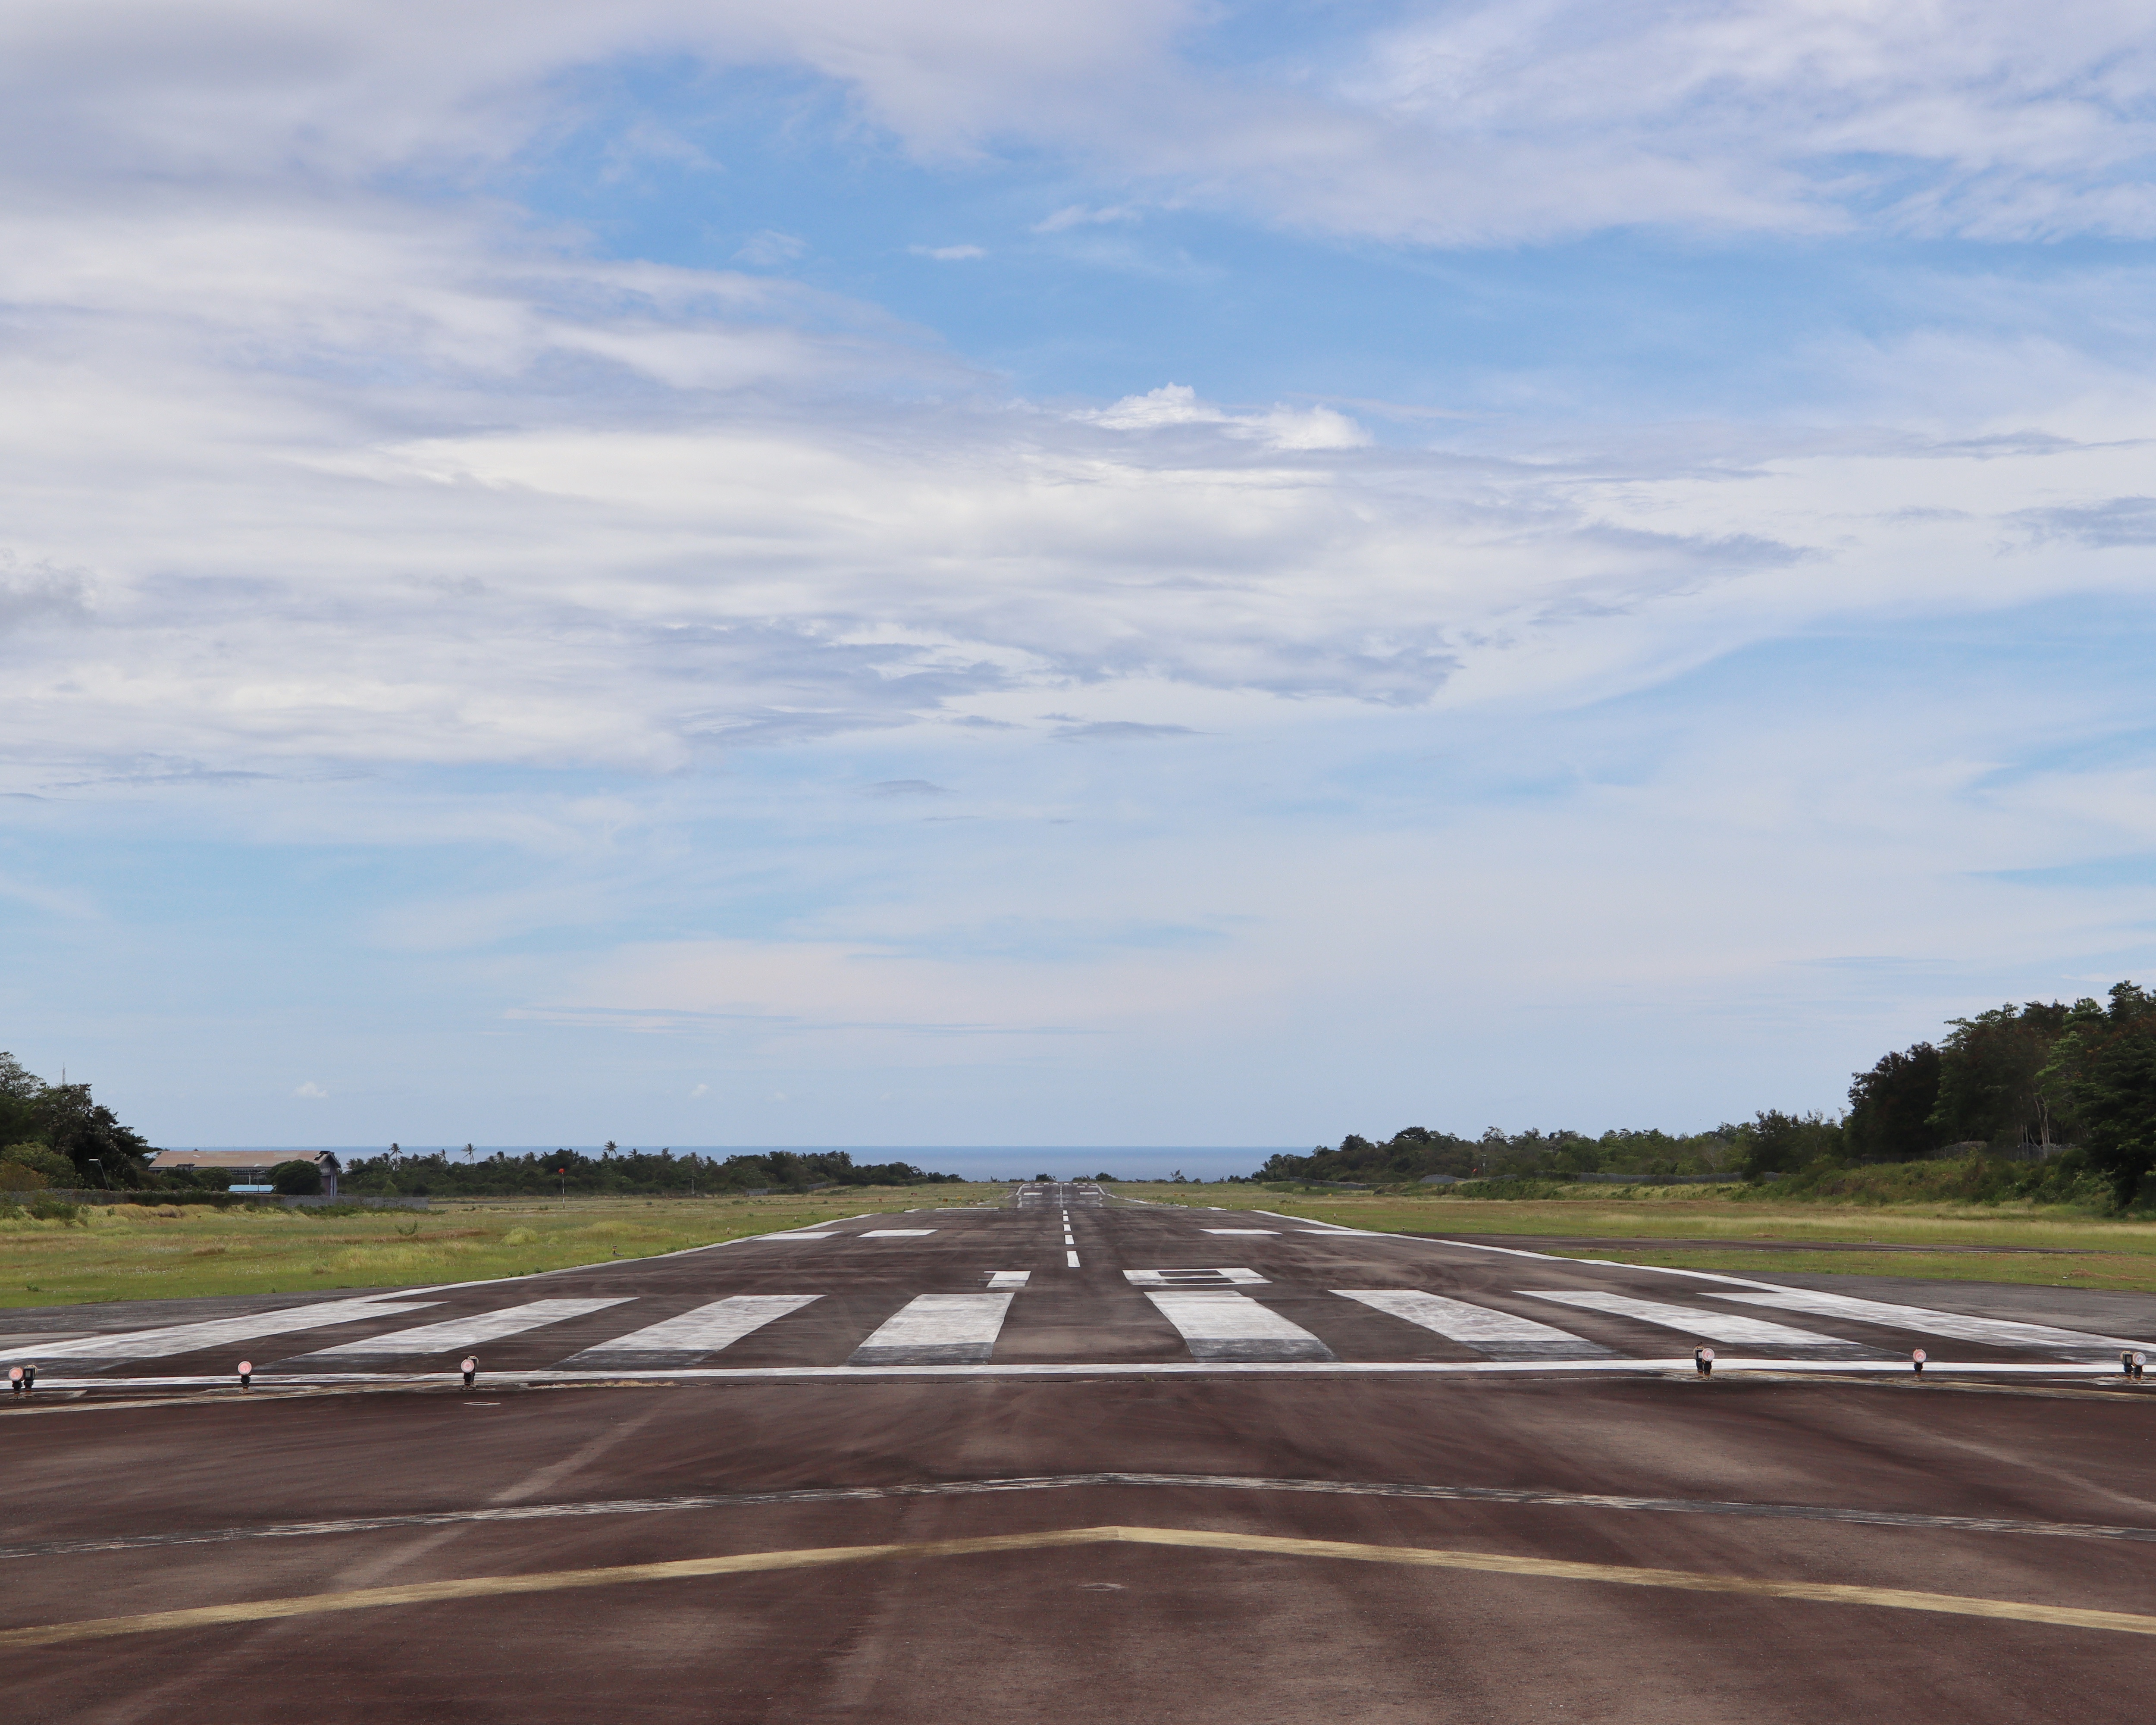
1702,1359
2132,1361
247,1374
1917,1358
469,1368
14,1380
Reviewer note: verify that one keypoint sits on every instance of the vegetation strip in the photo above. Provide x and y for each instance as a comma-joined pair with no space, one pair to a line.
1261,1544
1050,1482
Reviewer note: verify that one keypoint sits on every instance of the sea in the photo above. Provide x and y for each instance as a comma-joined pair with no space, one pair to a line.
975,1161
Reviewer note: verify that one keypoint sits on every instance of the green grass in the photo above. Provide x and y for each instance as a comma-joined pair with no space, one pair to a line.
2121,1253
138,1252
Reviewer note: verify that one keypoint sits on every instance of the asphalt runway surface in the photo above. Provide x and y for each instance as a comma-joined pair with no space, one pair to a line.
1072,1461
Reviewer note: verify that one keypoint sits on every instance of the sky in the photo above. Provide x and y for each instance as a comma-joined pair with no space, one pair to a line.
1149,574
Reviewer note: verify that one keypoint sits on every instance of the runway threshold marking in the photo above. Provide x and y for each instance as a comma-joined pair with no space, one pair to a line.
1994,1332
1501,1335
218,1332
475,1587
1716,1326
452,1332
937,1329
687,1337
1220,1324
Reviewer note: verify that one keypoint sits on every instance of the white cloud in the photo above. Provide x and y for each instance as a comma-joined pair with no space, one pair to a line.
770,248
947,254
1282,427
1078,215
312,1091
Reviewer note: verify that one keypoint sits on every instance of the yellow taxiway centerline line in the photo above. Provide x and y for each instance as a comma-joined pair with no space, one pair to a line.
749,1562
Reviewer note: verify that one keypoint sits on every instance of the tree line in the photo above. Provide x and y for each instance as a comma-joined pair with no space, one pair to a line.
438,1173
57,1135
2069,1088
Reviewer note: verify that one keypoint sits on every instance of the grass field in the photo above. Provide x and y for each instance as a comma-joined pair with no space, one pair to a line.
2048,1245
131,1252
136,1252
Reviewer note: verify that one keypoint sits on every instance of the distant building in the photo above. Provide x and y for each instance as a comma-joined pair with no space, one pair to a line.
247,1168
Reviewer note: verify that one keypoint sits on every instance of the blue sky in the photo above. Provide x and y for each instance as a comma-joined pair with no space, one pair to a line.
1154,574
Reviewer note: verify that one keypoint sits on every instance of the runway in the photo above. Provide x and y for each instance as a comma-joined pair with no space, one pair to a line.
1226,1468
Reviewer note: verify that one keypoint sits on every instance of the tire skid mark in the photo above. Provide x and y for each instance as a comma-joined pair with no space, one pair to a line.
1050,1482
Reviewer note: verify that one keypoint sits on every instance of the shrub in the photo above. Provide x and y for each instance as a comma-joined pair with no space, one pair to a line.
41,1158
17,1177
297,1179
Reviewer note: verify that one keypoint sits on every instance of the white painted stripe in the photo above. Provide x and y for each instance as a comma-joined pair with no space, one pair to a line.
1214,1278
1268,1232
464,1331
894,1233
1219,1324
217,1332
1992,1331
684,1339
1501,1335
937,1329
1009,1278
1071,1260
795,1236
1692,1321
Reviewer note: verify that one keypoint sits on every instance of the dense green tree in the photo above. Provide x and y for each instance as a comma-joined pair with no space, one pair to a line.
1990,1089
2103,1065
18,1101
1890,1107
297,1179
1777,1143
86,1130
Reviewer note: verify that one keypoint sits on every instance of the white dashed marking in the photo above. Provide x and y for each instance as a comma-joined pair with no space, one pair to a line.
457,1331
683,1340
214,1332
1715,1326
1219,1325
1501,1335
937,1330
1992,1331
